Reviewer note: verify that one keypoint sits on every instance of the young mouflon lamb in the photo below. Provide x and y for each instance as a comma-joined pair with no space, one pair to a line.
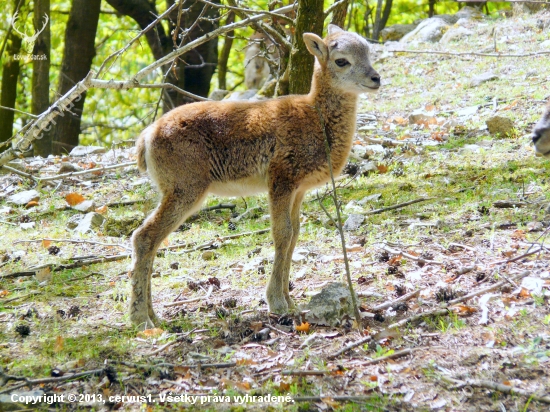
240,148
541,133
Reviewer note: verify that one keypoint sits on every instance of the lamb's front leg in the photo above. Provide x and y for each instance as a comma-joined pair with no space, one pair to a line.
295,221
281,229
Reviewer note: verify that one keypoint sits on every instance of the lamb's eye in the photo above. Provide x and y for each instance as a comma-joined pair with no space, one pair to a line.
341,62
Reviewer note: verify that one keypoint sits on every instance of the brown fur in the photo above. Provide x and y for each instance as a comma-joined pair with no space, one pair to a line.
541,133
238,148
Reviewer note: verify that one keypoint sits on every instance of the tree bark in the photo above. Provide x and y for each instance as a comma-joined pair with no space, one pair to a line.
10,73
385,15
309,19
41,73
224,54
340,13
77,61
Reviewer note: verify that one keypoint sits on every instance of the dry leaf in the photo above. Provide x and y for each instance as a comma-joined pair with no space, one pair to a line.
32,203
243,362
74,199
256,326
524,293
382,168
58,346
304,327
518,235
284,387
181,370
4,293
46,243
102,210
43,274
150,333
395,261
464,309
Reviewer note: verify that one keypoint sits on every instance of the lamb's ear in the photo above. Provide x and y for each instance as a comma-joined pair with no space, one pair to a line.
332,28
317,47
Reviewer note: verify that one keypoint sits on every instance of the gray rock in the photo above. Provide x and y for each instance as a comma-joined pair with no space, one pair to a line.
353,222
90,221
430,30
482,78
209,255
123,225
244,95
396,32
73,221
22,198
218,94
85,206
330,306
454,34
370,198
468,12
79,151
545,44
67,167
500,125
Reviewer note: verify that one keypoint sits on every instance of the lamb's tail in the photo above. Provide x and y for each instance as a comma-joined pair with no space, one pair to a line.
141,147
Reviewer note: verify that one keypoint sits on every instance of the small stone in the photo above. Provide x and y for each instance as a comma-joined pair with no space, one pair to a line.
80,151
67,167
298,258
74,221
545,44
89,221
119,226
330,306
368,199
85,206
209,255
502,126
23,198
482,78
353,222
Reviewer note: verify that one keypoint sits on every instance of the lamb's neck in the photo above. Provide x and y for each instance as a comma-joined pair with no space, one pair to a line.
338,108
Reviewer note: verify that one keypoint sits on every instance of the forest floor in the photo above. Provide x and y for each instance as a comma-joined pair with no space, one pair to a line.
480,228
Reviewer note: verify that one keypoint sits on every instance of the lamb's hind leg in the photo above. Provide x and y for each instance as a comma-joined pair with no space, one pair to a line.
173,209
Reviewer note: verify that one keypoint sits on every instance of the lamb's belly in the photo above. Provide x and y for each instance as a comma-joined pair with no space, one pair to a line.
242,187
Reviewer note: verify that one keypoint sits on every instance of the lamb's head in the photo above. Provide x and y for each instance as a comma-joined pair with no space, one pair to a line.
345,57
541,133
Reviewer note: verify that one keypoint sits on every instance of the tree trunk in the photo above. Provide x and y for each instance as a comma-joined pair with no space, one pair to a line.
194,70
385,15
309,19
377,21
77,61
10,73
41,73
340,13
143,12
224,54
192,79
431,7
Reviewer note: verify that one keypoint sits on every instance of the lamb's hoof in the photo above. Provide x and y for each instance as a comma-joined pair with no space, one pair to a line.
290,303
278,306
142,320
